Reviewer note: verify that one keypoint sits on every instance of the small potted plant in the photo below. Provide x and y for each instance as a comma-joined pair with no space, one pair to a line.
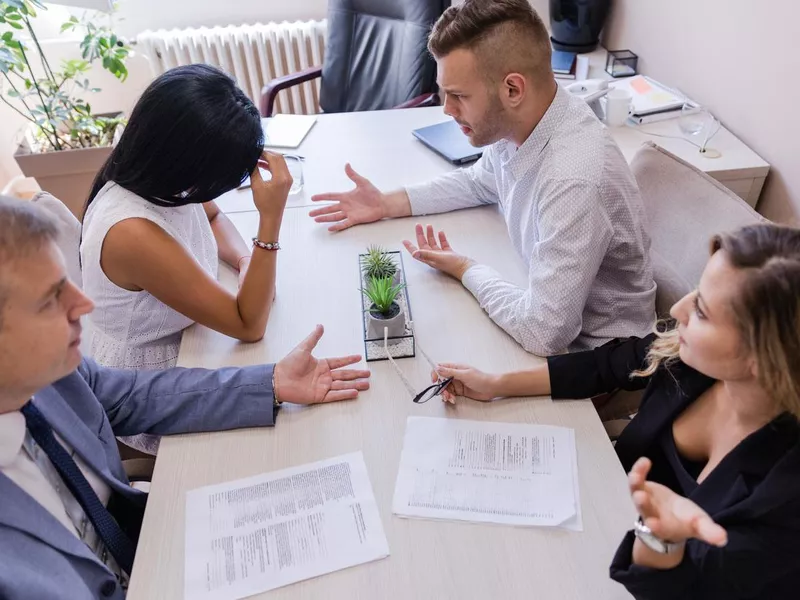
384,311
65,142
379,264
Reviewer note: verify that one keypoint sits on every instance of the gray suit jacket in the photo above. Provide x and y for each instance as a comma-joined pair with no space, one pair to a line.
39,557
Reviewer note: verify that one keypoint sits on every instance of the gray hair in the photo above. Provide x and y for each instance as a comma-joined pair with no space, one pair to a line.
24,228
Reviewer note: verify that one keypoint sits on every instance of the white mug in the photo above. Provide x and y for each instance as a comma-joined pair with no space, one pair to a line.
618,105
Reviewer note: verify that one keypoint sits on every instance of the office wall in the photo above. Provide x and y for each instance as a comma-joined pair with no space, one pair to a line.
738,57
165,14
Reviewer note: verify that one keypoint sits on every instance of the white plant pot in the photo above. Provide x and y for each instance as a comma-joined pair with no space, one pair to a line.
396,325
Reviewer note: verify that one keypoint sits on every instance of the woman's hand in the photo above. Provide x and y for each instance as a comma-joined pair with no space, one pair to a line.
669,516
270,196
467,382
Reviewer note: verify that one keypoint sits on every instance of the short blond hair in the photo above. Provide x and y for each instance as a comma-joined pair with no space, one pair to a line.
506,36
24,229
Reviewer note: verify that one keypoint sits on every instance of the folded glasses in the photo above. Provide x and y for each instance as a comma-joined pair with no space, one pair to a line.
429,392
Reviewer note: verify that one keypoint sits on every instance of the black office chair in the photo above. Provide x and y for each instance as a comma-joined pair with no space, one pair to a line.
376,57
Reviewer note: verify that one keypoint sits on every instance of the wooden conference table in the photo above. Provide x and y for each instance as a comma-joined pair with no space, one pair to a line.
318,283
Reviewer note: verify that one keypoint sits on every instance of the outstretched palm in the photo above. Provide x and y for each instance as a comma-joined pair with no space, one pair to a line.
301,378
363,204
670,516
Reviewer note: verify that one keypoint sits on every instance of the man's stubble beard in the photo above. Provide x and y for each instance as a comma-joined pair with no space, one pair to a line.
493,125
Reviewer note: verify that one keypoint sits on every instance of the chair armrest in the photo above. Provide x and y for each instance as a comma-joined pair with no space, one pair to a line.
270,91
420,101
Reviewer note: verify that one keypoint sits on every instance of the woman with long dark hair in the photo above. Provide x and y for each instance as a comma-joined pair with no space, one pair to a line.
152,234
714,451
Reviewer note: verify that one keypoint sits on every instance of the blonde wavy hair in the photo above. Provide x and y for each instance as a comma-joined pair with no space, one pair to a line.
767,311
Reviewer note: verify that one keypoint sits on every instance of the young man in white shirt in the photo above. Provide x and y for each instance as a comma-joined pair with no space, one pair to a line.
571,204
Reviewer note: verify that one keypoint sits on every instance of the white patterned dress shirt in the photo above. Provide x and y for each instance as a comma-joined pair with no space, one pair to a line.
575,216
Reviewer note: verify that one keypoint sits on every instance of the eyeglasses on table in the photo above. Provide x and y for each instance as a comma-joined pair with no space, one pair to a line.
429,392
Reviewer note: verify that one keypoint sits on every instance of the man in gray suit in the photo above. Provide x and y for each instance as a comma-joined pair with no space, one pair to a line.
69,519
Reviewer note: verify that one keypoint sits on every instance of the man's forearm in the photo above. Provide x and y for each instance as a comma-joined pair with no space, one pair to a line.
507,306
182,400
396,205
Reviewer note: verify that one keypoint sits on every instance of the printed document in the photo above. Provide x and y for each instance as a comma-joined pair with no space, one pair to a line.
257,534
485,472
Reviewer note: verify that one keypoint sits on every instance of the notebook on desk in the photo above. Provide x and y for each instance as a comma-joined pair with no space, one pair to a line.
447,140
287,131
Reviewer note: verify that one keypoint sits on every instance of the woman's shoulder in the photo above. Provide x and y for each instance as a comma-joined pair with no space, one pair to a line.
115,203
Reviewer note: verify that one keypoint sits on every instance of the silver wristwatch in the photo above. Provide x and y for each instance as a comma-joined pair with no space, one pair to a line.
643,533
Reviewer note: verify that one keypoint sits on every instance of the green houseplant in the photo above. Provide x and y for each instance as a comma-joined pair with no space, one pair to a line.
377,264
65,142
384,311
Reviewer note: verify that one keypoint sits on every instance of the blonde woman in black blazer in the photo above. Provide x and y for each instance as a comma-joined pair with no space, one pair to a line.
714,452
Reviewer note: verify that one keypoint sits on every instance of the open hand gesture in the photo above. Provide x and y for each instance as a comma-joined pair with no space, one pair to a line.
669,516
364,204
438,254
301,378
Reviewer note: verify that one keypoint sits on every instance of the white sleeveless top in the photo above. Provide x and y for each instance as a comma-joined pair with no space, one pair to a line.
135,330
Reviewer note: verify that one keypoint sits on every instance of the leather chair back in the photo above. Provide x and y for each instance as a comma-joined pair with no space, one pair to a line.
376,55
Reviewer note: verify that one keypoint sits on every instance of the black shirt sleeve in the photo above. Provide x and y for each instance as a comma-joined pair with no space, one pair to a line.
760,561
604,369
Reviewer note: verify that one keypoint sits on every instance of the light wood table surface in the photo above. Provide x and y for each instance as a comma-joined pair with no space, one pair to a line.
318,283
380,146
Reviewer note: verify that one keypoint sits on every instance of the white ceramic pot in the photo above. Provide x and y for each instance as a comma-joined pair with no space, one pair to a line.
396,324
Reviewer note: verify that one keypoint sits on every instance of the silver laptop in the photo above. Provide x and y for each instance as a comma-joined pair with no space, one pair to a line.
447,140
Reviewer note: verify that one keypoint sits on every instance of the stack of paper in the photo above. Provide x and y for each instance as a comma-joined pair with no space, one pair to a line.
489,472
649,96
264,532
653,101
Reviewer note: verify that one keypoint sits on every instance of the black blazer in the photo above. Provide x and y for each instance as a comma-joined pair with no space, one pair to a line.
754,493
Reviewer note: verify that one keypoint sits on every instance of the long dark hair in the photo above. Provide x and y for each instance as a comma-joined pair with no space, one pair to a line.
192,136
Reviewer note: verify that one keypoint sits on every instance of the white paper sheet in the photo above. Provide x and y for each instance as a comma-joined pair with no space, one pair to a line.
488,472
257,534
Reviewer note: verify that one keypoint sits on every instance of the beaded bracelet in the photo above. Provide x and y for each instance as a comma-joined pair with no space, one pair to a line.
266,245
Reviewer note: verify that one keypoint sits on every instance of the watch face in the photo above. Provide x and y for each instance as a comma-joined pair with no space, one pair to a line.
648,539
652,542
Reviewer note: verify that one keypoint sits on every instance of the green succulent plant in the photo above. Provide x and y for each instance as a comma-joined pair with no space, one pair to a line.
377,263
382,294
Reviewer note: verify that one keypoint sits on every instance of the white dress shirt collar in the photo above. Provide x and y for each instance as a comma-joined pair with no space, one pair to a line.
12,435
519,160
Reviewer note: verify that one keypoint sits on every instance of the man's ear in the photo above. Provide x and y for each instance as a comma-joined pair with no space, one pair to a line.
514,89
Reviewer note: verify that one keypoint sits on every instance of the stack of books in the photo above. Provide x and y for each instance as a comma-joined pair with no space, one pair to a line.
563,64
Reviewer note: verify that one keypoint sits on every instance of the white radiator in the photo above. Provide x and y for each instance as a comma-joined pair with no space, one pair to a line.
252,54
